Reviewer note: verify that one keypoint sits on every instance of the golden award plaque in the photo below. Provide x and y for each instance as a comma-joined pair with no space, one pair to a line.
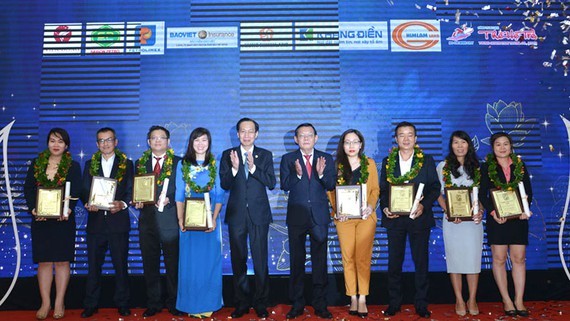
195,214
349,201
144,189
102,192
49,202
507,204
401,197
458,200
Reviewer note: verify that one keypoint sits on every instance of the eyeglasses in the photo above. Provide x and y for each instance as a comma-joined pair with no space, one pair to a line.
354,143
106,140
158,138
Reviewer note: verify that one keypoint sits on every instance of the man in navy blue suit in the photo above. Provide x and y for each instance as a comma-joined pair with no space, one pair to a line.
246,171
409,165
307,174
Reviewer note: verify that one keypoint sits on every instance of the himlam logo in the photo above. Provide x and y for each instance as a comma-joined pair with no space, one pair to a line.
417,35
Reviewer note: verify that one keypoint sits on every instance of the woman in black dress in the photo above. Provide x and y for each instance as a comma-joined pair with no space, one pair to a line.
504,170
53,240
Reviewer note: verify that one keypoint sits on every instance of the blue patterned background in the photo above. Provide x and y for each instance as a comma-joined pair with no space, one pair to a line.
480,88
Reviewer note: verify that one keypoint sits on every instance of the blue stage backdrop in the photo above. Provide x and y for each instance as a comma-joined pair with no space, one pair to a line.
480,66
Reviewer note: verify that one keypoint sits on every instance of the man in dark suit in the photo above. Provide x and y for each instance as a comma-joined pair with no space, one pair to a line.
158,231
108,229
246,171
417,225
307,174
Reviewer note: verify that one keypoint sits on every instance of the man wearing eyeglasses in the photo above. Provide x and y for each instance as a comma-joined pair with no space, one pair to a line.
158,230
307,174
108,229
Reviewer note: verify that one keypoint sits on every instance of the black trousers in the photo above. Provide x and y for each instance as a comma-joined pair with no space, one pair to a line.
154,242
318,235
238,234
419,246
97,245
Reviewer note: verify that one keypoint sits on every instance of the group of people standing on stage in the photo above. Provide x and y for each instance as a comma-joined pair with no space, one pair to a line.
193,260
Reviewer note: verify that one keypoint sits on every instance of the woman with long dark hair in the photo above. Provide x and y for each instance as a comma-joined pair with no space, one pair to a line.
356,236
53,240
463,240
504,170
200,263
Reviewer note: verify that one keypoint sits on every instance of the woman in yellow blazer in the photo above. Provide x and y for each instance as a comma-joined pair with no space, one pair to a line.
356,236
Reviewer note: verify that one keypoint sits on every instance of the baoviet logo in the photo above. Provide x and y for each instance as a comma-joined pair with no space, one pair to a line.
416,35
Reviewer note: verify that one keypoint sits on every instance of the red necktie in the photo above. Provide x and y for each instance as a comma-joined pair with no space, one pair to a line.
308,165
156,170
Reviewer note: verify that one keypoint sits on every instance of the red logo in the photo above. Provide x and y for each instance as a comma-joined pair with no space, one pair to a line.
418,39
266,34
62,34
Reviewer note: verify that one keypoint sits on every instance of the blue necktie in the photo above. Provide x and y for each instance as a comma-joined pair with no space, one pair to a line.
245,165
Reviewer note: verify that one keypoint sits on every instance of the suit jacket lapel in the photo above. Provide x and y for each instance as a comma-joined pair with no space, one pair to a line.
115,167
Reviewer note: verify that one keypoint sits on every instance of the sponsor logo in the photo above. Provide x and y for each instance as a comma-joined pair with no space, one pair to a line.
310,34
105,36
371,33
266,34
460,34
365,35
62,39
213,37
150,35
494,36
415,35
62,34
147,35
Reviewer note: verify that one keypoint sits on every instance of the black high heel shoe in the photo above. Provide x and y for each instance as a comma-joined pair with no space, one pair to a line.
511,313
353,312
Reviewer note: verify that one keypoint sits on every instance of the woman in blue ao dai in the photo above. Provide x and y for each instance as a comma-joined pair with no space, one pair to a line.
200,264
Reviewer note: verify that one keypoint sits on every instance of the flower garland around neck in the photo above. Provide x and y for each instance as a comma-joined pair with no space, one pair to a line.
40,167
96,164
191,184
447,176
414,171
166,170
363,172
494,176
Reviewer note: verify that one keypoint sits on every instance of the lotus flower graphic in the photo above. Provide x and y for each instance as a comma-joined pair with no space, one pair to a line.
508,118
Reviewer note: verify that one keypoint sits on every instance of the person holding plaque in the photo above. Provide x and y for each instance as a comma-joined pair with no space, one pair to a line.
503,170
463,240
158,230
356,235
53,240
108,225
200,263
307,174
246,171
406,164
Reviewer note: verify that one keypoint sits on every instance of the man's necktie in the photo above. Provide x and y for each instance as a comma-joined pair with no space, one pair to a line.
156,170
245,165
308,165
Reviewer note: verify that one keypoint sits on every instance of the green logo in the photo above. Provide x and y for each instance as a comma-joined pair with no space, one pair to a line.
105,36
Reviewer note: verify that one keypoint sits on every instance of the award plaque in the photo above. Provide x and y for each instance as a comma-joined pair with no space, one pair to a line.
349,201
458,201
144,189
401,198
507,203
49,202
195,214
102,192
